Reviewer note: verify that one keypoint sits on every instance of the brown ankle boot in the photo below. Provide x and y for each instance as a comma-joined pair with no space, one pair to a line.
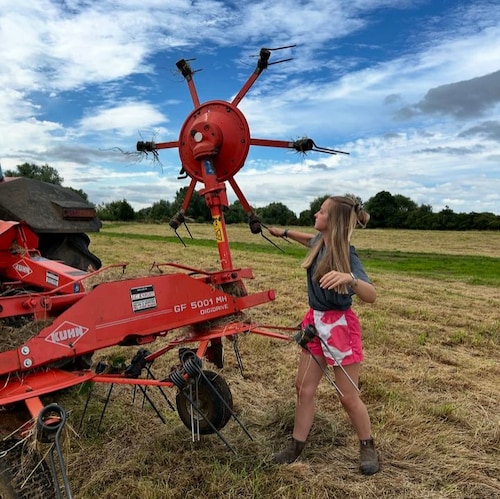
290,453
368,459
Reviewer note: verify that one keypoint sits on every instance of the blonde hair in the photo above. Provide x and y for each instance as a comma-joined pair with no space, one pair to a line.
344,214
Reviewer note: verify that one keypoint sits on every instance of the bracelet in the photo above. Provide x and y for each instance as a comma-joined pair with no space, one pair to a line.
354,281
285,233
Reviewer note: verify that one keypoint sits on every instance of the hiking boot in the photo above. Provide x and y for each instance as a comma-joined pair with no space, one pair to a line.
368,459
290,453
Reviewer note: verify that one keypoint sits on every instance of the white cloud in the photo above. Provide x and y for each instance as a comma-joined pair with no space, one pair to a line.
82,81
122,119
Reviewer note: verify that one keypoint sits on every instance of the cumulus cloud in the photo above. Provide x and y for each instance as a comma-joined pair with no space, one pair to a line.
463,99
82,81
487,129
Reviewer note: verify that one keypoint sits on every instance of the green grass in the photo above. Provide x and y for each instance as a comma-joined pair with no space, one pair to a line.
429,378
472,269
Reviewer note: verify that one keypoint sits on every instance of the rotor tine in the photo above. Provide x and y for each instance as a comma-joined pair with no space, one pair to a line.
338,364
272,242
145,396
189,232
266,227
91,389
151,375
237,354
196,408
285,47
195,436
105,406
197,389
325,372
319,149
148,398
221,398
282,60
180,239
327,150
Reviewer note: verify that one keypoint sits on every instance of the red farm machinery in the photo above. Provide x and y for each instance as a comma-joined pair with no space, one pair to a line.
77,320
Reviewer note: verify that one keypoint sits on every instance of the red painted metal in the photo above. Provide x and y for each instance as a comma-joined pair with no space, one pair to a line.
21,262
31,386
213,145
216,130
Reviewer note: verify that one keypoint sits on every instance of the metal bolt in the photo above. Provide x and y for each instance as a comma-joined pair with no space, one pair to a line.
25,350
27,362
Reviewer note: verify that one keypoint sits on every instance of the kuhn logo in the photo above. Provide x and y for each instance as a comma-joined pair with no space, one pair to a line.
67,334
22,268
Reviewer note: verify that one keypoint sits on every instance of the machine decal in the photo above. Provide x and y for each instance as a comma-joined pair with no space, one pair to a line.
22,268
67,334
212,310
143,298
52,278
210,305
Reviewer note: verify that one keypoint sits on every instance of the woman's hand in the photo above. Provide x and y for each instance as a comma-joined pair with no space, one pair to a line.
295,235
334,279
365,291
274,231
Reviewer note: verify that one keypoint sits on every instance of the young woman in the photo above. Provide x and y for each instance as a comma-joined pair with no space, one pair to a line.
334,274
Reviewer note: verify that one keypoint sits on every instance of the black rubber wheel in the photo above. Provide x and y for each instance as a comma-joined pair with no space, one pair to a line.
72,249
213,399
15,469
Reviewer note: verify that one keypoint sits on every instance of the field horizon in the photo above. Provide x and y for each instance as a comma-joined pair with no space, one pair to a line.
430,379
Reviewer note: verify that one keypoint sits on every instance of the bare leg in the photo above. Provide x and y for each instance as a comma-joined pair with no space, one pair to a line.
309,375
352,403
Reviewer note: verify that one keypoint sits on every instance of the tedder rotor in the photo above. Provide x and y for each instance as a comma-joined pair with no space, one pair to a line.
213,144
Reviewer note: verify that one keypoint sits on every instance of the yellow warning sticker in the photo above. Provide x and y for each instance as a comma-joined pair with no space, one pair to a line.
219,234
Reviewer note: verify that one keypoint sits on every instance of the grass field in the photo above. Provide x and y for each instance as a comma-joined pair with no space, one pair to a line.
430,379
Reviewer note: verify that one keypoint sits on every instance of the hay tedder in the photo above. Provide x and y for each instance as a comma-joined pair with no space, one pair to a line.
76,320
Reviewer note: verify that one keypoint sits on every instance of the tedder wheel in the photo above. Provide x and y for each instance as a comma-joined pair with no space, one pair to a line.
72,249
22,475
209,403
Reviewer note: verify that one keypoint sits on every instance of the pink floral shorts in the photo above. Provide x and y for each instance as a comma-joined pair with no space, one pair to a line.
339,336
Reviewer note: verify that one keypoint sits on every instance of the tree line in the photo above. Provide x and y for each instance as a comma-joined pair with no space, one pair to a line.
386,210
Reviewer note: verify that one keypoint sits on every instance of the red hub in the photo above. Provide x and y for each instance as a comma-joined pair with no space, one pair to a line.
205,131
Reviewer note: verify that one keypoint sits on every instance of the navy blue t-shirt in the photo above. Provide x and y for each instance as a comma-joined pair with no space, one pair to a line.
325,299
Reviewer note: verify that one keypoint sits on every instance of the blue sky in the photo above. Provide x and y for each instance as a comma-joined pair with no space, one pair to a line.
410,88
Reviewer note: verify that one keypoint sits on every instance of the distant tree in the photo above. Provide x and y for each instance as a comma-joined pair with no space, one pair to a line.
383,209
235,213
404,206
446,219
197,208
305,218
161,211
81,193
484,221
422,218
463,221
45,173
116,211
277,213
144,214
